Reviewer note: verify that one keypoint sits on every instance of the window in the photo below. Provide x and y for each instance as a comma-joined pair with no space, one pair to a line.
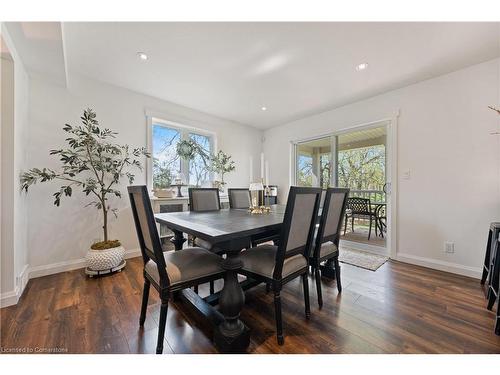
314,162
304,170
354,159
199,174
165,164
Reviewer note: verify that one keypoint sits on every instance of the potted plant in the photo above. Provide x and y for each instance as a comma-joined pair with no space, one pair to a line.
162,179
221,164
95,165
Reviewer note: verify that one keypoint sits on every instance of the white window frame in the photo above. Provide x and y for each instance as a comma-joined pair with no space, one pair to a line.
184,130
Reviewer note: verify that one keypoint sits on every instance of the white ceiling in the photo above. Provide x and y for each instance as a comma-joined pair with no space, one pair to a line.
41,48
231,70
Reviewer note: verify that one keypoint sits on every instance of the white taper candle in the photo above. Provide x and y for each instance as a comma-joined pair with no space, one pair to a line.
267,173
262,165
251,169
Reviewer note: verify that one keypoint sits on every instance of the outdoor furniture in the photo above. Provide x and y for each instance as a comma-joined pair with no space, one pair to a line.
278,265
170,271
326,242
381,215
359,208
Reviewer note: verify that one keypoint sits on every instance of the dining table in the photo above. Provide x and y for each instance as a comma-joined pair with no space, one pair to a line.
230,231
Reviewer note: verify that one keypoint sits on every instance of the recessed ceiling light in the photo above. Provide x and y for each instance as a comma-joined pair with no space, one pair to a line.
362,66
142,56
264,108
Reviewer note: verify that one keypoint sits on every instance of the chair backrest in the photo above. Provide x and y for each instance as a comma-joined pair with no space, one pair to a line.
358,205
331,217
299,225
204,199
147,233
239,198
322,200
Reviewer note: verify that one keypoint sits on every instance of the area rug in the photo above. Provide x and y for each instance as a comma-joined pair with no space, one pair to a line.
361,259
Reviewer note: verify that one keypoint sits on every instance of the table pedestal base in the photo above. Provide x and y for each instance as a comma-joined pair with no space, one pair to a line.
228,344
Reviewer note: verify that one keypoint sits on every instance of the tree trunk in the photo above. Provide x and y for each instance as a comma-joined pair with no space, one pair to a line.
105,223
104,216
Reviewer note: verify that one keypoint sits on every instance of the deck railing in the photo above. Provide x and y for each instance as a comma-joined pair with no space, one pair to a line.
373,195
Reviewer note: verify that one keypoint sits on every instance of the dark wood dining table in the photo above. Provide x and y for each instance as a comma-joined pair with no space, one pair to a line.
230,230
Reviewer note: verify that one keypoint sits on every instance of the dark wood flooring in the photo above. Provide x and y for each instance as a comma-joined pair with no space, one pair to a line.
400,308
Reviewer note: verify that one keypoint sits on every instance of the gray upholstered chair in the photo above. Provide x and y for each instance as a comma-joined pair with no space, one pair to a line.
239,198
277,265
170,271
326,240
203,200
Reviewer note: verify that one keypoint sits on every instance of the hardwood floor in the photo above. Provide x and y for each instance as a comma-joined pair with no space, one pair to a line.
397,309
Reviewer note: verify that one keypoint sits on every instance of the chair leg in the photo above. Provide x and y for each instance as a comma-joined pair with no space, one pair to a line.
305,284
497,320
370,229
337,273
212,287
352,224
317,276
345,223
144,306
195,288
161,328
486,265
277,312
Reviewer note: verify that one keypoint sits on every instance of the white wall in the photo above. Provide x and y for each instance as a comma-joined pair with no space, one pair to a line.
64,234
14,205
444,139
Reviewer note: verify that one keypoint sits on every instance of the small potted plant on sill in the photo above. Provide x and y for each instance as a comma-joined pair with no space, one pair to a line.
221,164
162,179
95,165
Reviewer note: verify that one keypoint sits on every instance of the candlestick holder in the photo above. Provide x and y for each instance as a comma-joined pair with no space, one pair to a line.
255,208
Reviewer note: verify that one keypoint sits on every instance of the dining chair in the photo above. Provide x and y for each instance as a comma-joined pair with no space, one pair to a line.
359,208
239,198
326,242
204,200
277,265
170,271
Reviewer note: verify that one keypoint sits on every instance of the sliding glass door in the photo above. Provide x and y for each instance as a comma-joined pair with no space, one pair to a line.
354,159
314,163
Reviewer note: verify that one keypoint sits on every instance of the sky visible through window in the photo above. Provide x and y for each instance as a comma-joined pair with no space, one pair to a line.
166,162
167,165
199,174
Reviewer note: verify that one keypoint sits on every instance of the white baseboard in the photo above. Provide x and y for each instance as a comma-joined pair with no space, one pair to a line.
70,265
474,272
12,297
9,298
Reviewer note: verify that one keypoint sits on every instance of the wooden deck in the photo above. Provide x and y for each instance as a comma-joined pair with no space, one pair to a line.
400,308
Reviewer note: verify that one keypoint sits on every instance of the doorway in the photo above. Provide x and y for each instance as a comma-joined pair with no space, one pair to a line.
358,158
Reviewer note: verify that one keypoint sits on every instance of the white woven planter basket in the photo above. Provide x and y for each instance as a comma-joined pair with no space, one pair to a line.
100,260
